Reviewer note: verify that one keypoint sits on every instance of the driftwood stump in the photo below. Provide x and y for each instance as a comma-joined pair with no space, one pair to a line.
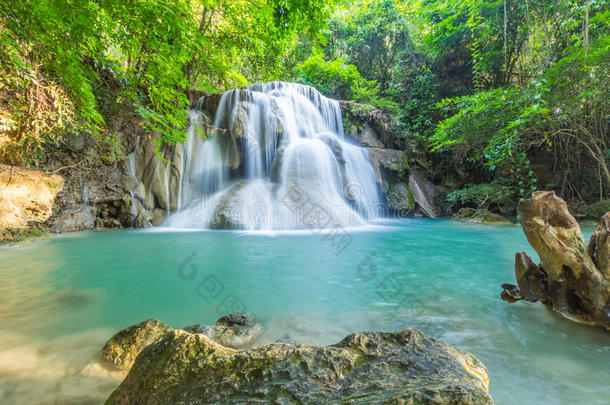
571,279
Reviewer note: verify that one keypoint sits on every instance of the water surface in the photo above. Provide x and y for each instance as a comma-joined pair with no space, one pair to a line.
62,297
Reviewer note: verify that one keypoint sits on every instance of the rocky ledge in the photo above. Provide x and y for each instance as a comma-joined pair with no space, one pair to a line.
186,367
571,279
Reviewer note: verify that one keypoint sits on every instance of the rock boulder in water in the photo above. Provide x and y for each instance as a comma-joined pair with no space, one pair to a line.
236,330
123,348
368,367
571,279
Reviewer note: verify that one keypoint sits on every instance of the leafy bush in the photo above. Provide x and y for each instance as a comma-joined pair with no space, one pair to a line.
336,79
599,209
482,195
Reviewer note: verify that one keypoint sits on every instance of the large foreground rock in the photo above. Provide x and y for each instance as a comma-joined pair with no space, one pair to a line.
571,279
365,368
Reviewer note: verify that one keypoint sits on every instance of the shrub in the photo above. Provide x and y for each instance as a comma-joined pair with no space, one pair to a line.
599,209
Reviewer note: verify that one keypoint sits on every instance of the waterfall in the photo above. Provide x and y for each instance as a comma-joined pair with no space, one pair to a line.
276,157
131,171
85,195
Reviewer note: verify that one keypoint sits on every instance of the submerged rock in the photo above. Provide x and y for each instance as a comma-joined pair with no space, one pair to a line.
123,348
571,279
237,330
368,367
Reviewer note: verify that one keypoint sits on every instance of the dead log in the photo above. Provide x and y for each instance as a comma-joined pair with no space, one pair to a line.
571,279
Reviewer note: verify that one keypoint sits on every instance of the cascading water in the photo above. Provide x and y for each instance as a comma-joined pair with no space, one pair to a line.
278,159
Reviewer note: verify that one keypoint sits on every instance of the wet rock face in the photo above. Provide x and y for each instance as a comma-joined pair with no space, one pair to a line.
424,193
370,367
400,199
571,279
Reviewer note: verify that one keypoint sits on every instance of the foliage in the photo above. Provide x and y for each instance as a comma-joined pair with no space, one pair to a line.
482,195
151,50
539,85
598,209
372,35
336,79
517,87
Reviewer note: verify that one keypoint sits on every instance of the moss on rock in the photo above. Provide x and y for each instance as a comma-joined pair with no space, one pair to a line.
368,367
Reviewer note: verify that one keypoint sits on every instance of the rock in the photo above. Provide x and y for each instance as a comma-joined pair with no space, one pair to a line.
108,223
228,214
158,216
364,134
84,218
388,163
239,123
236,330
511,293
424,193
368,125
197,329
26,199
141,221
276,167
123,348
204,102
480,216
400,199
368,367
571,279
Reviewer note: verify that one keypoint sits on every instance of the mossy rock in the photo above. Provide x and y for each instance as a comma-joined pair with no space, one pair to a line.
400,198
26,233
597,210
364,368
123,348
481,216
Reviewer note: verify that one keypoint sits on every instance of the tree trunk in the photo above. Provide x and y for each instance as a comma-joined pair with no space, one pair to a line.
571,279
